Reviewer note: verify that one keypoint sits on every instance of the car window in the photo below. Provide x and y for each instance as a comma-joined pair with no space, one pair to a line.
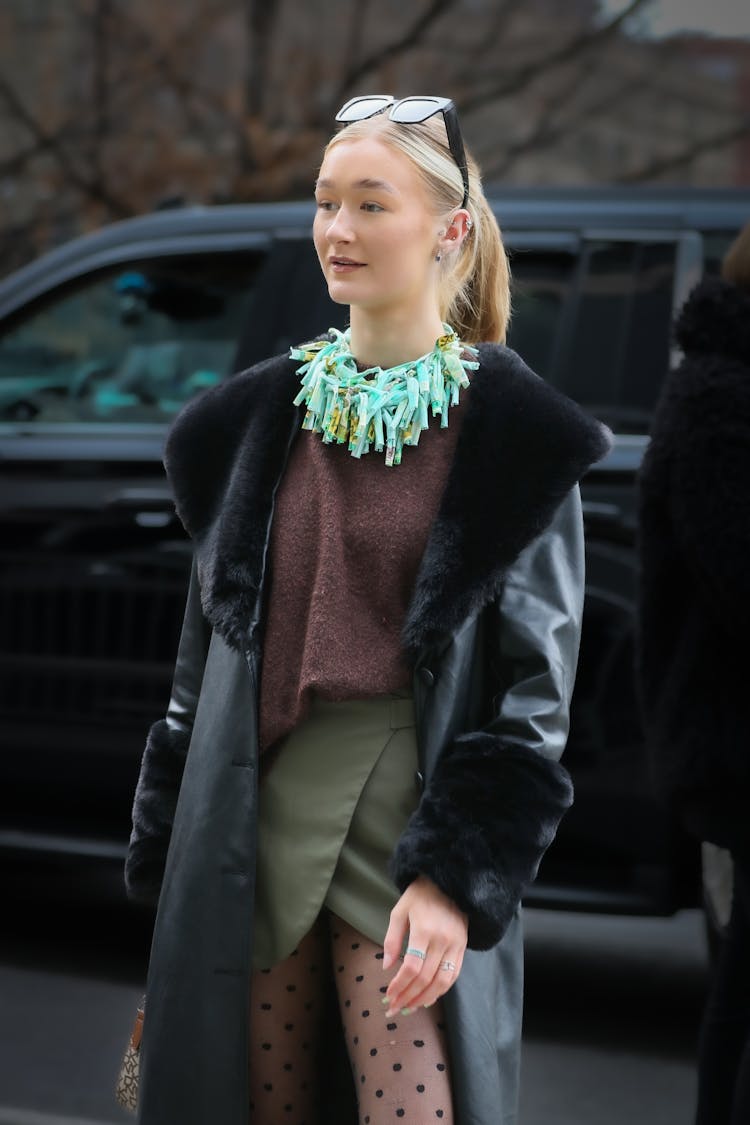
129,344
540,291
617,351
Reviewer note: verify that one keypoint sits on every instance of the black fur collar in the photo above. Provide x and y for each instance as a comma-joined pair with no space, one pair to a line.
716,319
522,447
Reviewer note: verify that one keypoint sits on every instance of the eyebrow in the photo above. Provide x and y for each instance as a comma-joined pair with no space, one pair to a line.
366,184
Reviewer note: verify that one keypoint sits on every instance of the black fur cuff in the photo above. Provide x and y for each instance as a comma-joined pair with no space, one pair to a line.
485,820
153,810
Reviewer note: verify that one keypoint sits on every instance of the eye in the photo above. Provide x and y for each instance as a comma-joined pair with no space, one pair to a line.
373,207
325,204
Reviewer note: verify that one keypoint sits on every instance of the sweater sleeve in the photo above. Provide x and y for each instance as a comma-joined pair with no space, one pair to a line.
491,809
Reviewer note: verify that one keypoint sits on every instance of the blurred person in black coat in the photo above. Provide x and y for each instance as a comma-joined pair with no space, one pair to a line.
694,633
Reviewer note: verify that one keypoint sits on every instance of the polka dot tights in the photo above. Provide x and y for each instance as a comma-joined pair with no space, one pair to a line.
400,1065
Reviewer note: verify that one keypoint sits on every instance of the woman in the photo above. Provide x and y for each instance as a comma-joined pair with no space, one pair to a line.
391,520
694,613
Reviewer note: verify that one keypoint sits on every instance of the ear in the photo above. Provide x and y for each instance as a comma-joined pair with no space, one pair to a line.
450,239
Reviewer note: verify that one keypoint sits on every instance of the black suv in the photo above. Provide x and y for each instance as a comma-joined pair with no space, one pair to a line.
101,342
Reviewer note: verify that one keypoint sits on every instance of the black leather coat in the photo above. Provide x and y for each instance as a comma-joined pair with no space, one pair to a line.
492,630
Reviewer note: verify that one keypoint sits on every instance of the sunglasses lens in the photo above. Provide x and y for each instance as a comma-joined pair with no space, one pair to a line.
359,108
417,109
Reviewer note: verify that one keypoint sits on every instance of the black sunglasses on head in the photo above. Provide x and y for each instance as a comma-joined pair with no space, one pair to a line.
410,111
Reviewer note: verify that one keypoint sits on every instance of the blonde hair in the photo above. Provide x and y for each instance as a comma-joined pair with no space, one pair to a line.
474,285
735,266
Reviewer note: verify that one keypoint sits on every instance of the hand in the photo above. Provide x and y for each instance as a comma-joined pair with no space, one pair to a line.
435,925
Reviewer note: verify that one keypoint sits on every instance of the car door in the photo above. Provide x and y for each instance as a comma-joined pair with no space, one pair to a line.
616,849
93,563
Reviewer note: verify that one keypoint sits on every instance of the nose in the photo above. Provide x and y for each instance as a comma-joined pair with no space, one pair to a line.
339,229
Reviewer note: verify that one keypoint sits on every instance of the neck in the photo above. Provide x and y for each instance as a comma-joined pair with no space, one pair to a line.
394,337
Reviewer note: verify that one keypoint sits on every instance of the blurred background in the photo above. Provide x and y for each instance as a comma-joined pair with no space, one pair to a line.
111,108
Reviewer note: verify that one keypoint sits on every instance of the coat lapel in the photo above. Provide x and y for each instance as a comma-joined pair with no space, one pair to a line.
522,447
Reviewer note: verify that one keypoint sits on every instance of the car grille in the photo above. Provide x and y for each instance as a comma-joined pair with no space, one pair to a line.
102,649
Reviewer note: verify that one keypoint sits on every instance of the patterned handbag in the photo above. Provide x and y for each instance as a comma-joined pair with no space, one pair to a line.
126,1090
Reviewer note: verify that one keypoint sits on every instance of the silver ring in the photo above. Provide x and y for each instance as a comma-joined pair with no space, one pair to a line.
447,966
416,953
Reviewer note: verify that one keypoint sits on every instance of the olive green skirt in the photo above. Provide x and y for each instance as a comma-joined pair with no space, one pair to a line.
332,805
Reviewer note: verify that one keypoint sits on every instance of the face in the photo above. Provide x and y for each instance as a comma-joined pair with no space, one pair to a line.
374,232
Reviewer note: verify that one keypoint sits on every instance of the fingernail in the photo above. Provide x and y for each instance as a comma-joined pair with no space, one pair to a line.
389,1013
387,961
406,1011
384,1000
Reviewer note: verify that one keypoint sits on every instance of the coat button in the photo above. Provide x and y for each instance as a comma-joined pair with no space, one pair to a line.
419,781
426,677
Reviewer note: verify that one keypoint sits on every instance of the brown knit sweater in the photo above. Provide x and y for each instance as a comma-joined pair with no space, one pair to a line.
346,542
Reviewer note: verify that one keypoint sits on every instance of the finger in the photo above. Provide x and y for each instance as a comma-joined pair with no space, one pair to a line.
423,981
395,935
412,967
448,971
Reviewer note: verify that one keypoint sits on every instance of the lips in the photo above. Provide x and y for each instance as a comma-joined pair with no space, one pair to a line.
344,264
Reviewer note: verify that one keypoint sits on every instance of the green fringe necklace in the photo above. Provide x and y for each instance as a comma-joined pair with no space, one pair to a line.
385,408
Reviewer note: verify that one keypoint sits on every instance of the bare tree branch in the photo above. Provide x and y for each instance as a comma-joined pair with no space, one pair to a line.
576,46
358,10
260,19
400,46
502,14
91,188
685,157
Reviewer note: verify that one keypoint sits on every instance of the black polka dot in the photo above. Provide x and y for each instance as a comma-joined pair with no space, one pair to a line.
420,1088
397,1066
391,1026
287,1109
367,1120
267,1086
288,1026
355,945
378,1093
266,1007
362,1079
379,956
340,969
291,988
359,979
304,1085
383,988
266,1046
419,1042
356,1039
308,1006
295,952
400,1112
337,935
438,1113
287,1066
441,1066
441,1026
373,1052
347,1003
366,1013
265,970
